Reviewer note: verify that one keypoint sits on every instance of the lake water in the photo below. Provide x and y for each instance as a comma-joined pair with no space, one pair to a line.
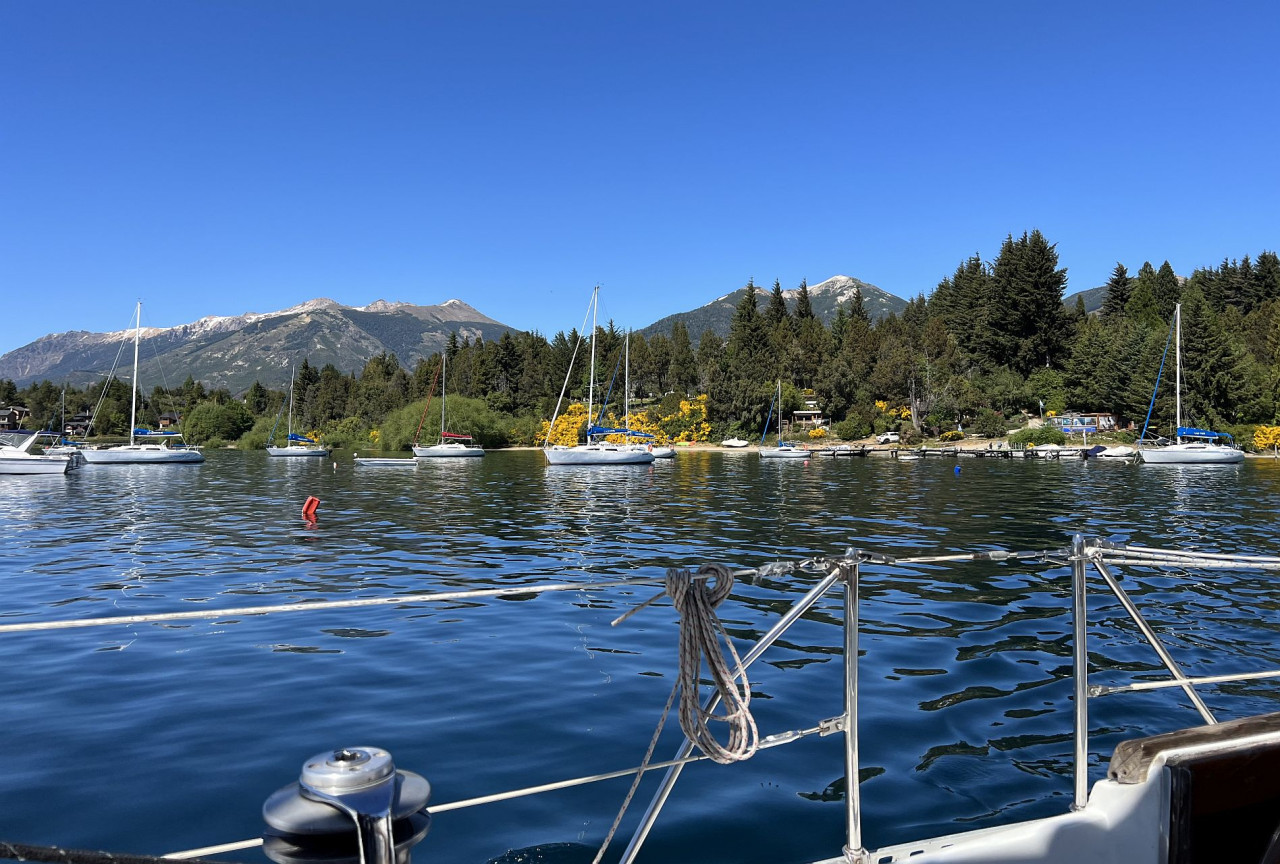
151,738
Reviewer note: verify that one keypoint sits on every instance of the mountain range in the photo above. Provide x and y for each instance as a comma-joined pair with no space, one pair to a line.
235,351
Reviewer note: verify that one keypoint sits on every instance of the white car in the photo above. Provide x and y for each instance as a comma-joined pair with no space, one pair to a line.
887,438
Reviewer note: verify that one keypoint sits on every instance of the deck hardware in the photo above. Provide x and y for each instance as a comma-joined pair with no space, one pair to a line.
349,806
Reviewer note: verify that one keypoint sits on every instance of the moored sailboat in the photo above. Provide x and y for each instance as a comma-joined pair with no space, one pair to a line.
142,447
452,445
1191,446
295,444
785,449
596,451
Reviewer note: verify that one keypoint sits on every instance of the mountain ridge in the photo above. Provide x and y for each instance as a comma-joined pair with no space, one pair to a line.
233,351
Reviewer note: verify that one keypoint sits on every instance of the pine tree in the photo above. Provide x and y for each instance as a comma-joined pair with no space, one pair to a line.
684,366
776,313
1166,291
1118,289
804,303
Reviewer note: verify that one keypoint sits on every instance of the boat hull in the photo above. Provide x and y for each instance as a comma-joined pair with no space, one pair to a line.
784,453
32,463
447,451
149,454
596,454
1191,454
312,452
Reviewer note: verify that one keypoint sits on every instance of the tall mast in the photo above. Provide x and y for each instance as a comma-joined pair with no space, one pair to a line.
1177,354
289,440
591,386
444,362
626,386
133,404
779,398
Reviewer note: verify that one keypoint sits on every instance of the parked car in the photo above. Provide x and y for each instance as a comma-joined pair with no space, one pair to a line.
887,438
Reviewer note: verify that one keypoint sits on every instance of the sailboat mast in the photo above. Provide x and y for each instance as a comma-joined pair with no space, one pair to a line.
289,439
779,399
591,386
626,386
133,404
1177,354
444,363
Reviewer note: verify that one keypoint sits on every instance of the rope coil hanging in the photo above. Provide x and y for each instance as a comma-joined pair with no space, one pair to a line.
701,635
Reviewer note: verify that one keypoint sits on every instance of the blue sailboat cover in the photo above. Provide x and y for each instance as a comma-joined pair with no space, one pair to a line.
294,436
149,433
602,430
1191,432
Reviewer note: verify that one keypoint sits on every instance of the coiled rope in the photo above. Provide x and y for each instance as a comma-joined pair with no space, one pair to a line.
696,599
701,635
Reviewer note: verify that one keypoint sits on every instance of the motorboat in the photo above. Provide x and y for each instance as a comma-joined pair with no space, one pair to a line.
16,456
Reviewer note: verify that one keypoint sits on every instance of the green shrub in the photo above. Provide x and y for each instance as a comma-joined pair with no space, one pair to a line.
909,435
989,424
1039,435
852,429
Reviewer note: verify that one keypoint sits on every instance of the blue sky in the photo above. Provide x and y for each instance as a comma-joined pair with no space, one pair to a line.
216,158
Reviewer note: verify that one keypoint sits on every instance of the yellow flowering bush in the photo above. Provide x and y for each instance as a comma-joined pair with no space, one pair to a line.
819,432
375,436
568,427
1267,437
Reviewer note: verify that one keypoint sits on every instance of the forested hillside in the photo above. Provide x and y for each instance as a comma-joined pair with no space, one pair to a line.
992,341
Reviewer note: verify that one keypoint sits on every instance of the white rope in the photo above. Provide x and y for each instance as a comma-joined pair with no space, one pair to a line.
696,599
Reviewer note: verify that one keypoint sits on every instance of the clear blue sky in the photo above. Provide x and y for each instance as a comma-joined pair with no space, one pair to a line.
215,158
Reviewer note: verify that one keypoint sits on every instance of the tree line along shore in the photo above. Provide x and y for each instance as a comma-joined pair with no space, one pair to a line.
991,346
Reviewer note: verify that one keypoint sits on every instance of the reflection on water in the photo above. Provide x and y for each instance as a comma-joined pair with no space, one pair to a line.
965,715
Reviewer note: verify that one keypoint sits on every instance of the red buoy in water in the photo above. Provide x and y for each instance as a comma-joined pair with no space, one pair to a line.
309,508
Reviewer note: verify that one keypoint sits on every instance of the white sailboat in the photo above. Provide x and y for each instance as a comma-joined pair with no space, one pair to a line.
785,449
1192,446
295,445
451,444
596,451
138,451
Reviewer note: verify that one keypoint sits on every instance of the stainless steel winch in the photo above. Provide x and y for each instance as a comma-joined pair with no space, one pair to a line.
349,806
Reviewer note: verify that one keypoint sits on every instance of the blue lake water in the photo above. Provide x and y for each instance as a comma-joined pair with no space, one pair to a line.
151,738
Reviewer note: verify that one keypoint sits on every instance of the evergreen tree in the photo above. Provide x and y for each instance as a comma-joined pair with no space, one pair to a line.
684,366
1166,291
1215,376
776,313
710,356
804,304
1143,306
1118,290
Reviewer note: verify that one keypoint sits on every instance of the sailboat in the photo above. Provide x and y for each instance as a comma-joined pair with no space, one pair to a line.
1192,446
596,451
295,445
785,449
451,444
138,450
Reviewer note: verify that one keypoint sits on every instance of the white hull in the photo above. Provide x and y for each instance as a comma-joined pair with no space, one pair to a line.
664,452
33,463
447,451
735,443
294,450
149,454
784,453
597,454
1192,453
